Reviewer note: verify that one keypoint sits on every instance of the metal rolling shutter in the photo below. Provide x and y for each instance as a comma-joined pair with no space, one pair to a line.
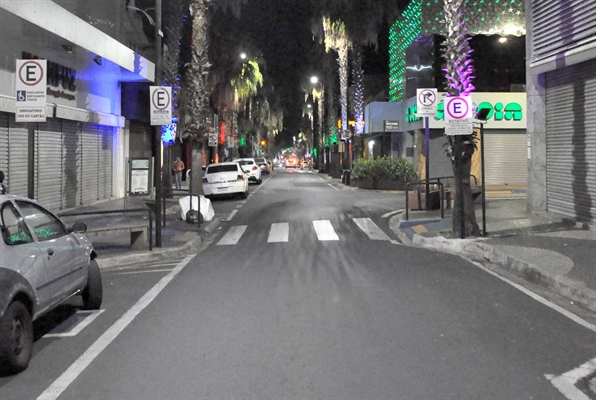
72,192
48,164
571,141
561,24
18,140
439,163
505,158
90,162
4,146
106,154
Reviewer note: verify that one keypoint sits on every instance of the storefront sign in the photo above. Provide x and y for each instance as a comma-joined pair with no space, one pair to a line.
505,110
390,126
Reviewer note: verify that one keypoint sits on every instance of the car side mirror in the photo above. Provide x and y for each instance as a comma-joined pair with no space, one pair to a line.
79,227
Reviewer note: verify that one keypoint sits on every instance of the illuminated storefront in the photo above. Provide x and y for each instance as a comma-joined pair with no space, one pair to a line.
78,154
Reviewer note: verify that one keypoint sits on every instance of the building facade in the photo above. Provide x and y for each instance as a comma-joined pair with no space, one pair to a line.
561,88
78,156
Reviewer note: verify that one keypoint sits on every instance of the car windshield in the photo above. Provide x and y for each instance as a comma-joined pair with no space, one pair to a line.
245,162
212,169
260,160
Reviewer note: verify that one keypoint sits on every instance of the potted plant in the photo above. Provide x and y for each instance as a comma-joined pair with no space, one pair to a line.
383,173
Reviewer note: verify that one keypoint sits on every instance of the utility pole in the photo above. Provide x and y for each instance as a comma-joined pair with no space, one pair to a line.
157,132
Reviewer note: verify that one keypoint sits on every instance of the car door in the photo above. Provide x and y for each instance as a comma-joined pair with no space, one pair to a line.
22,254
65,259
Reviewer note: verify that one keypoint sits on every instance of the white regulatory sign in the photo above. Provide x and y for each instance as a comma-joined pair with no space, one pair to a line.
31,91
459,118
213,139
161,105
426,102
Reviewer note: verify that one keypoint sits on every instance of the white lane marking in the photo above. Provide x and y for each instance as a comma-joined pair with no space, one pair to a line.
332,186
68,376
540,299
371,229
324,230
391,213
279,233
142,271
231,215
78,327
567,381
233,235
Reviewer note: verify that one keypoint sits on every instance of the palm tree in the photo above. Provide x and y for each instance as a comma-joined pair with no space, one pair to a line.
197,79
336,39
461,147
173,16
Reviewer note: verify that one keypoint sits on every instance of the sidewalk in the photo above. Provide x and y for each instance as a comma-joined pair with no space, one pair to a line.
541,248
178,237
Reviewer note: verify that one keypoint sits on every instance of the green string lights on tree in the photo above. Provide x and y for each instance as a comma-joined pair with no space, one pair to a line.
426,17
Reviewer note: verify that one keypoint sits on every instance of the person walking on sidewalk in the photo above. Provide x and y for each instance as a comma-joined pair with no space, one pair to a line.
178,167
3,188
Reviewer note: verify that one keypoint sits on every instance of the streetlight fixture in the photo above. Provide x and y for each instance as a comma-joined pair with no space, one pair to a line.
314,79
243,56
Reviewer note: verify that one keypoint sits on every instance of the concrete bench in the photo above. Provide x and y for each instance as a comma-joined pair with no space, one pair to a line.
138,234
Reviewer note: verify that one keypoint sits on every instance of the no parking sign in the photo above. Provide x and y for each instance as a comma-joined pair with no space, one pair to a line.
459,118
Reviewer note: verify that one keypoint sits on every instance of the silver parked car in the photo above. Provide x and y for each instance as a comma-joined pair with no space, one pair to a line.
42,263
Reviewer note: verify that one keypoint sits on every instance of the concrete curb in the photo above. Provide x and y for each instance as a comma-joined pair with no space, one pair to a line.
193,246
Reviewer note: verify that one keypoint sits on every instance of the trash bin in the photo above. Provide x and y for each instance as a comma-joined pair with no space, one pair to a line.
347,174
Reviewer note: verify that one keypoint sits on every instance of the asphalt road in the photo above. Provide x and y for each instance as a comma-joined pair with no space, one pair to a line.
306,293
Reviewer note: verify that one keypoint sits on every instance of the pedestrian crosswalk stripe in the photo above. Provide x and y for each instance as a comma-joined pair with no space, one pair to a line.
371,229
233,235
279,232
324,230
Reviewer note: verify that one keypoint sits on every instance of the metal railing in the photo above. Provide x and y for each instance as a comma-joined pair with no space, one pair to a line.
439,181
420,183
123,211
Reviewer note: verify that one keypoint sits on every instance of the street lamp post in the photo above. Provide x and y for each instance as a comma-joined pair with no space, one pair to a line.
157,132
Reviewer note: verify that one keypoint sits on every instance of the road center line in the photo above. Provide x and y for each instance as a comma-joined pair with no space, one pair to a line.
68,376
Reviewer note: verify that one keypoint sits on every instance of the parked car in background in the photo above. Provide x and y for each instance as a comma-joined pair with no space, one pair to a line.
251,168
42,264
225,179
264,165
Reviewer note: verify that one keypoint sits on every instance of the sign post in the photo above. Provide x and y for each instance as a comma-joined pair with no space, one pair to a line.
459,120
426,106
161,114
31,85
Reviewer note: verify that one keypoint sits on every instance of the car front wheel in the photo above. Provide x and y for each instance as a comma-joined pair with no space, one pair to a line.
93,292
16,339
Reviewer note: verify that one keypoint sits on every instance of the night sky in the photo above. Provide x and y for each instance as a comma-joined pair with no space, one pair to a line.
280,30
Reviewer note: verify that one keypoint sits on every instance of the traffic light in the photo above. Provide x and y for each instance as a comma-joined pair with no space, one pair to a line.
263,143
242,141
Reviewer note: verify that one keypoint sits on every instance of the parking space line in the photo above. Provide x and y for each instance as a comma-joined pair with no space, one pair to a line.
68,376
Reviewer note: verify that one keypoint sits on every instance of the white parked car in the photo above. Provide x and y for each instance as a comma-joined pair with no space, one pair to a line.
263,164
225,179
42,264
251,168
